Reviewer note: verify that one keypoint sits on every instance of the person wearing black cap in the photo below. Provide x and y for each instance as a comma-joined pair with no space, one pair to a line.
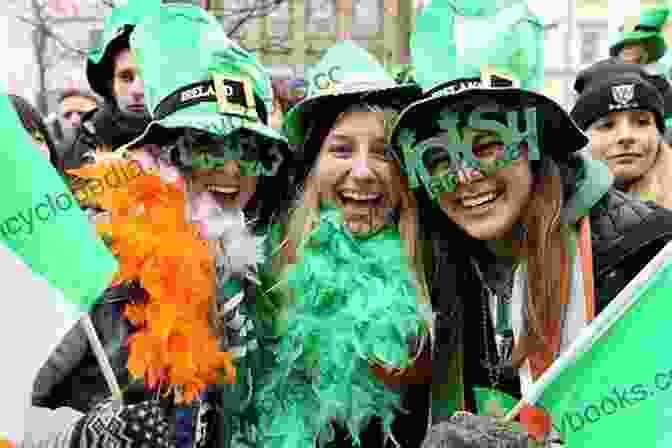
112,74
622,109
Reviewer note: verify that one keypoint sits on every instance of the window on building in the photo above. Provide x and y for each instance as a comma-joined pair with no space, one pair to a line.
555,40
592,42
321,16
590,46
367,17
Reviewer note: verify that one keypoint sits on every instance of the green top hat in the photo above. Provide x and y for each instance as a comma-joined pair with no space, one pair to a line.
196,77
647,29
117,28
503,71
453,38
346,72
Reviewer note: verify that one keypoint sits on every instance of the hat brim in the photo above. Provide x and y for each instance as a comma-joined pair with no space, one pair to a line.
204,117
99,62
295,120
658,43
560,135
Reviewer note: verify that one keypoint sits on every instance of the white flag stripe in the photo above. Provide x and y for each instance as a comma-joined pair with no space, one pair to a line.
35,319
591,334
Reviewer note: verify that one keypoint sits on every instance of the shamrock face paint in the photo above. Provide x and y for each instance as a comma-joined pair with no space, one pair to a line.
478,143
226,167
244,149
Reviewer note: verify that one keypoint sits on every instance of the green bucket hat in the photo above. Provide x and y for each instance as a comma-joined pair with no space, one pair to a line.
345,73
116,31
196,77
502,70
648,28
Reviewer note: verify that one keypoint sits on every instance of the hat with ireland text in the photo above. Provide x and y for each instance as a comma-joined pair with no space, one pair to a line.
500,62
346,73
196,77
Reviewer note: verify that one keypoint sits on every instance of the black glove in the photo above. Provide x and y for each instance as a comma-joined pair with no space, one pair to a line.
112,423
465,430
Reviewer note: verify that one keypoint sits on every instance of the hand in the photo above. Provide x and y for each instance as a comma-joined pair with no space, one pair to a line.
136,425
465,430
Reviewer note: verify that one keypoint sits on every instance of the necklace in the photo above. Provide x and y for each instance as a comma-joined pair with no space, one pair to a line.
502,347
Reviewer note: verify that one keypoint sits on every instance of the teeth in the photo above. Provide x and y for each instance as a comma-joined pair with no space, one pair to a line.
475,201
361,196
225,190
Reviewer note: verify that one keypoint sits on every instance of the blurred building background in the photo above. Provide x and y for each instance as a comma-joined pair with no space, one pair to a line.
295,34
290,35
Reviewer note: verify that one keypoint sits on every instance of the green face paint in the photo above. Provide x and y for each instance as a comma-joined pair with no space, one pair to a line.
470,146
215,155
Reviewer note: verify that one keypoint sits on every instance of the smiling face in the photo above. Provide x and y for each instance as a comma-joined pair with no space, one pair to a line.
230,189
487,207
627,141
355,173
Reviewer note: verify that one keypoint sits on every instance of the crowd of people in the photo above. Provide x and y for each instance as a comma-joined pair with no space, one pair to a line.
384,250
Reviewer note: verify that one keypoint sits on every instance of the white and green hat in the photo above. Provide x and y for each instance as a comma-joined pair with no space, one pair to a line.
196,77
345,74
500,61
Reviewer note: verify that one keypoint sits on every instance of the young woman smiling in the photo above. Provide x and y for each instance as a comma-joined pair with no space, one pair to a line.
532,239
348,263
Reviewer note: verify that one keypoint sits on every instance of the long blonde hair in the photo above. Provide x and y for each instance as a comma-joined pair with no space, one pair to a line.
304,217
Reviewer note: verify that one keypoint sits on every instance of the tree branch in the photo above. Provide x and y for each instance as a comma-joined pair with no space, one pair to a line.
260,8
57,38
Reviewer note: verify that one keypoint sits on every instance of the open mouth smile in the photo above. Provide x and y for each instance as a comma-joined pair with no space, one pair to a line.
359,199
474,202
221,193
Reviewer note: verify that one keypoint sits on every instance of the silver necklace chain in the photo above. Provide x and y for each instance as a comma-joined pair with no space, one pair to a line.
494,368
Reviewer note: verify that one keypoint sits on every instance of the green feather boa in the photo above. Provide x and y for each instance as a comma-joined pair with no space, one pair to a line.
353,301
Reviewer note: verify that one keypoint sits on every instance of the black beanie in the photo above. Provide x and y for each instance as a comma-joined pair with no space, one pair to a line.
609,86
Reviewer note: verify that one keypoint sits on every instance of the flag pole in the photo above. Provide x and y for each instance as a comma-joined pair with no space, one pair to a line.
101,356
618,307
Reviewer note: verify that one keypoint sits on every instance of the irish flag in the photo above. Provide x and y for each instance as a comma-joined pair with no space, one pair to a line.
613,386
53,266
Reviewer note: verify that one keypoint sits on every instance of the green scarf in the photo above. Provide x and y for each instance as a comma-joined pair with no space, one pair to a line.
353,301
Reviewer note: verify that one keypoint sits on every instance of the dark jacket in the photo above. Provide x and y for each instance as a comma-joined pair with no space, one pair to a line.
626,235
71,377
102,127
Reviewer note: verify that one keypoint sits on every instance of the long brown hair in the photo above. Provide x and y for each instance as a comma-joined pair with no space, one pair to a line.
543,248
